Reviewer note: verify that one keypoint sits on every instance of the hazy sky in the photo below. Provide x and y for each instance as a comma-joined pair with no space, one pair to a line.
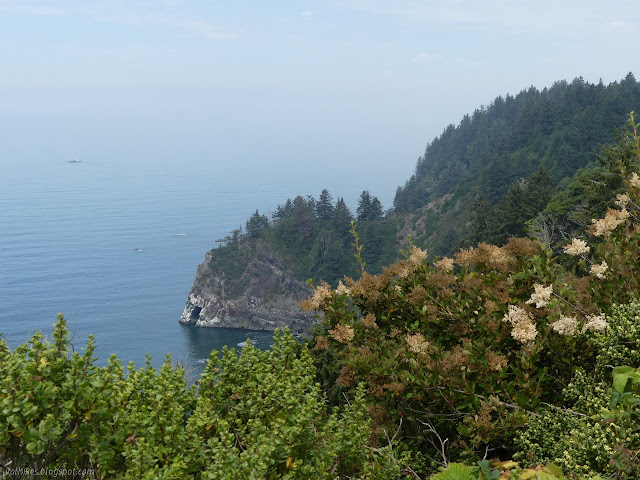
352,87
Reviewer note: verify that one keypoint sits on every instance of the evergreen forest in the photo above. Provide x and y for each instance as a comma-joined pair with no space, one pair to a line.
531,164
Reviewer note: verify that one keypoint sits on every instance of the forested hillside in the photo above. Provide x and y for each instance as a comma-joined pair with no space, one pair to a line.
508,169
557,128
542,136
314,237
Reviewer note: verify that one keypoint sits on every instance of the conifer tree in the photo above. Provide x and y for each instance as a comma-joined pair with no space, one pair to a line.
256,224
369,207
324,206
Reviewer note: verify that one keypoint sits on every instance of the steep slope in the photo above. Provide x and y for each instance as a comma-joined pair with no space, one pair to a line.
484,180
558,128
262,296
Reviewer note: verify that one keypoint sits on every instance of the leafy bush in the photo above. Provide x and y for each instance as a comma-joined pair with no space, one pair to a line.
482,354
254,415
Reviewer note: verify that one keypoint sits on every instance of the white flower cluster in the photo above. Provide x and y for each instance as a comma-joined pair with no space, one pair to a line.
595,323
610,222
622,200
445,264
342,289
565,326
599,270
569,325
524,331
417,343
541,295
577,247
342,333
635,180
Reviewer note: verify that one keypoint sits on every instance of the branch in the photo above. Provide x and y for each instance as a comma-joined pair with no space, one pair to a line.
443,443
481,397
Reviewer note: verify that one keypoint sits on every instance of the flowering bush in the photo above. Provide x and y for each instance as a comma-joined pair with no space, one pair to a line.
472,356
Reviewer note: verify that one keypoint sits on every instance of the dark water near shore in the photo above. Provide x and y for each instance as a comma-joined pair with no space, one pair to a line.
115,249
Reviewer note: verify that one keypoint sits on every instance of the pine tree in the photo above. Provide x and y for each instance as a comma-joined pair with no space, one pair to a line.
324,206
369,207
256,224
364,206
283,211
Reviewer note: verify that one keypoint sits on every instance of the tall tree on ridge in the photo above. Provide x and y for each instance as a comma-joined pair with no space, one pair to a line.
324,206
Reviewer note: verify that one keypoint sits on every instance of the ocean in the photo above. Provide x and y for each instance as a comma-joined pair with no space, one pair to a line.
115,248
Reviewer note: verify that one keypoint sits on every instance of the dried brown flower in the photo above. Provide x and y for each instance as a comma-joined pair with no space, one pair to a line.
322,343
417,344
453,360
440,280
342,333
369,321
418,295
346,378
522,247
320,294
495,361
416,256
368,286
494,257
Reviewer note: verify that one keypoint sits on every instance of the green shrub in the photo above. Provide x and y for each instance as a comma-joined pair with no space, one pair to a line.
254,415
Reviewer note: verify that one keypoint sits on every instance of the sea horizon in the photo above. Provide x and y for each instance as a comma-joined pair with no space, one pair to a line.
116,251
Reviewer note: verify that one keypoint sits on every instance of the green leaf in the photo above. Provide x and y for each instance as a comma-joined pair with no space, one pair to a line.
620,382
455,471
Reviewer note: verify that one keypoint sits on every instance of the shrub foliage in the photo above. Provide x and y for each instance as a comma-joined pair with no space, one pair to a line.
501,352
254,415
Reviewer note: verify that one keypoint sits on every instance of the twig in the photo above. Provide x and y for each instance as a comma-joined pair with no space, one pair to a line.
390,440
569,303
443,443
566,410
510,405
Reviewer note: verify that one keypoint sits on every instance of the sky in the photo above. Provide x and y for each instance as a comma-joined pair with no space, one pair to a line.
338,88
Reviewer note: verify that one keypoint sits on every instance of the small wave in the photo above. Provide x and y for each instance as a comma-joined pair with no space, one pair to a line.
202,361
179,234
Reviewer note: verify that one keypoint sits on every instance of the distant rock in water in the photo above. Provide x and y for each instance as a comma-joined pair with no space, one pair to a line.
261,295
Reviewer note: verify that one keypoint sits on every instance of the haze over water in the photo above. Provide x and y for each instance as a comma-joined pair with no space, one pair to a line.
115,249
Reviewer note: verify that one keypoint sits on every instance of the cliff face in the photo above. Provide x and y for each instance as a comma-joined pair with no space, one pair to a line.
262,297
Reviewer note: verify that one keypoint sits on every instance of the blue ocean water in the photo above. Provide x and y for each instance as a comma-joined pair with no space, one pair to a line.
115,249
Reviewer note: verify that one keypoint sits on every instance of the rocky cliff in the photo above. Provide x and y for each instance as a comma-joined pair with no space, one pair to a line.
259,294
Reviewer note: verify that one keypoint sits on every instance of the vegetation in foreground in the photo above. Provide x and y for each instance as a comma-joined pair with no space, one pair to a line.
510,353
257,415
501,362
